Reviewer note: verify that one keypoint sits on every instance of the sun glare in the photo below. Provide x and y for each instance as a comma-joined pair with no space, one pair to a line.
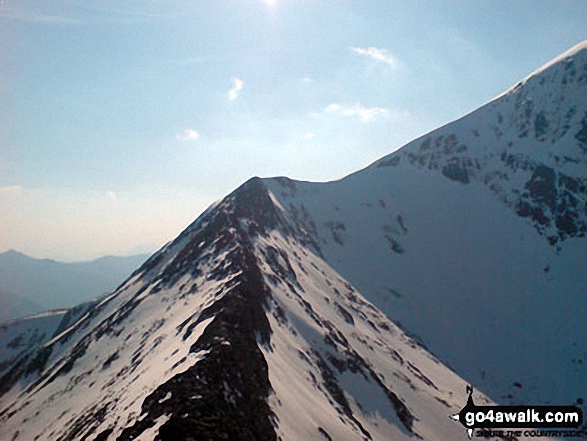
270,3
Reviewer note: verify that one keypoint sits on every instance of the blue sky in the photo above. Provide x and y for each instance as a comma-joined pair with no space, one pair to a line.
121,121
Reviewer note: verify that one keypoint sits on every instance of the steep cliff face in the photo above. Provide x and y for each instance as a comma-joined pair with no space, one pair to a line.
472,237
528,147
235,330
269,317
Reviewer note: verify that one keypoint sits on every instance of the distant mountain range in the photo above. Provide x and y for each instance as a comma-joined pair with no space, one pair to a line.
29,285
350,310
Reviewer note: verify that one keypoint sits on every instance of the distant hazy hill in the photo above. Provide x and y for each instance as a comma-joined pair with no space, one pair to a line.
29,285
270,317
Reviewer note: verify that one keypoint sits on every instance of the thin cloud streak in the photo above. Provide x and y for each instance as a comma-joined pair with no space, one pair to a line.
86,14
379,54
31,17
358,110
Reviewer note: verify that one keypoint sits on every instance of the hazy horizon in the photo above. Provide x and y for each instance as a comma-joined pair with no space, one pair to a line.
122,123
121,256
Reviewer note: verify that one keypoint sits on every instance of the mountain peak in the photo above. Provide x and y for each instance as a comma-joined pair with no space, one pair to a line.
270,317
474,235
14,254
528,147
235,330
566,59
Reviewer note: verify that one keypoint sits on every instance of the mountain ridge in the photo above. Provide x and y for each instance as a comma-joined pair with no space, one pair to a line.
239,303
272,315
478,229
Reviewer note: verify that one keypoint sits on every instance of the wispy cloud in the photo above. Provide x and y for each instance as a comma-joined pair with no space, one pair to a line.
83,13
237,87
309,135
32,17
187,135
379,54
105,14
358,110
111,195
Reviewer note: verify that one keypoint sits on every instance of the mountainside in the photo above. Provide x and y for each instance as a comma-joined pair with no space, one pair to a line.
472,238
30,286
297,311
233,331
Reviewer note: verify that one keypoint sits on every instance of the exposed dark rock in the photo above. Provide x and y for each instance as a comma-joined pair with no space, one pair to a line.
353,362
390,162
279,262
347,316
90,420
542,186
224,395
109,360
581,135
337,229
456,171
394,245
420,375
337,393
324,433
103,436
541,126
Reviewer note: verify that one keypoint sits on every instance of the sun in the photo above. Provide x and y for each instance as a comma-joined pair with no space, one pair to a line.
270,3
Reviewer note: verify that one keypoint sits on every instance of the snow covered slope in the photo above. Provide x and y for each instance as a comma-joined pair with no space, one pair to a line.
235,330
269,317
472,238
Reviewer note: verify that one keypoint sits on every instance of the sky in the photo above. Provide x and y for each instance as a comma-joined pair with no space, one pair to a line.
120,122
